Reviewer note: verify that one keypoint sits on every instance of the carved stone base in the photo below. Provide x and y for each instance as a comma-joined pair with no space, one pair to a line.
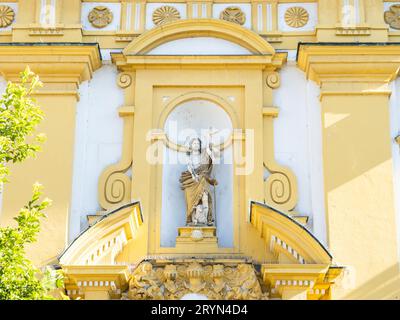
197,239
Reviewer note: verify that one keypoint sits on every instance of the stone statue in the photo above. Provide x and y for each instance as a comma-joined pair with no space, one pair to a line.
196,182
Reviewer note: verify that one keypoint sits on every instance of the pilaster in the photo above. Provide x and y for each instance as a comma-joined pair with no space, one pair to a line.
357,155
61,69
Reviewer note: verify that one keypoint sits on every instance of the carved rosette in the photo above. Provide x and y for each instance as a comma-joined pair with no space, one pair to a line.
100,17
233,14
392,16
165,14
296,17
7,16
216,281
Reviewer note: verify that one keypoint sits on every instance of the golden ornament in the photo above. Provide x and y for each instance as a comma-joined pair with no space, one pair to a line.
233,14
7,16
165,14
392,16
100,17
296,17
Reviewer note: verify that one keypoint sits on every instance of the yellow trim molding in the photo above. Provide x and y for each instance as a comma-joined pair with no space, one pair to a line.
287,240
101,243
199,28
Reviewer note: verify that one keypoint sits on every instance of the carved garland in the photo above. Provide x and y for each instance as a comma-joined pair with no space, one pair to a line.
7,16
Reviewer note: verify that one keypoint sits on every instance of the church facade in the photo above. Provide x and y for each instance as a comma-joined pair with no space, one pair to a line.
213,149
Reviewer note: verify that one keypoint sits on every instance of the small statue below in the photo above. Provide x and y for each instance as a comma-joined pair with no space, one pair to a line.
196,182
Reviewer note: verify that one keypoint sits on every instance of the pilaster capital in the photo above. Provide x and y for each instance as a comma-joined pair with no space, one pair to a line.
360,67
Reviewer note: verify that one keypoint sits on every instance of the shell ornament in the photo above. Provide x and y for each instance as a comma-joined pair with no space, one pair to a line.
7,16
392,16
233,14
296,17
165,14
100,17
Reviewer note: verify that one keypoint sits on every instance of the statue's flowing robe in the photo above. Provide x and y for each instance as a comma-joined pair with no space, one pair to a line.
194,190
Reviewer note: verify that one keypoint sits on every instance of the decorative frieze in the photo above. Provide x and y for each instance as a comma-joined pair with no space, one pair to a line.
212,280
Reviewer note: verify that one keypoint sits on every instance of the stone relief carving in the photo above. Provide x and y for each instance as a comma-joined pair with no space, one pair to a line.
233,14
100,17
7,16
216,281
392,16
296,17
165,14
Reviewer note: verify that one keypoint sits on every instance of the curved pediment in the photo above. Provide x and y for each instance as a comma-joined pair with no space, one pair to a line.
197,28
102,242
286,237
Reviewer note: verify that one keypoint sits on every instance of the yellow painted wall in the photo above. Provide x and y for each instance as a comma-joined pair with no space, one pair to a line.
53,169
358,174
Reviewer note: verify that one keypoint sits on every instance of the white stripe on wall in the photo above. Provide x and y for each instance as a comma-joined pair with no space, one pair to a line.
195,10
128,16
269,17
137,16
259,17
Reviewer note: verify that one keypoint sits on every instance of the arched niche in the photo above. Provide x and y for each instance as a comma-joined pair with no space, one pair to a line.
187,119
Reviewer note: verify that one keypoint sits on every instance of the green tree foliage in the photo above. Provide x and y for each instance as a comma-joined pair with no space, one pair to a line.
19,117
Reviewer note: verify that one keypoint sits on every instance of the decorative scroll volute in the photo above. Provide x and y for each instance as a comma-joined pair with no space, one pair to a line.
114,184
273,80
280,188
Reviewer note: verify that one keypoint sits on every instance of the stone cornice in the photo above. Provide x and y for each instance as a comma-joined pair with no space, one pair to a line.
361,63
54,62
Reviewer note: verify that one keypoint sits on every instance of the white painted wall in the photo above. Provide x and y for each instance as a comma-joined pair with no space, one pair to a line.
298,142
199,46
98,142
395,131
188,120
